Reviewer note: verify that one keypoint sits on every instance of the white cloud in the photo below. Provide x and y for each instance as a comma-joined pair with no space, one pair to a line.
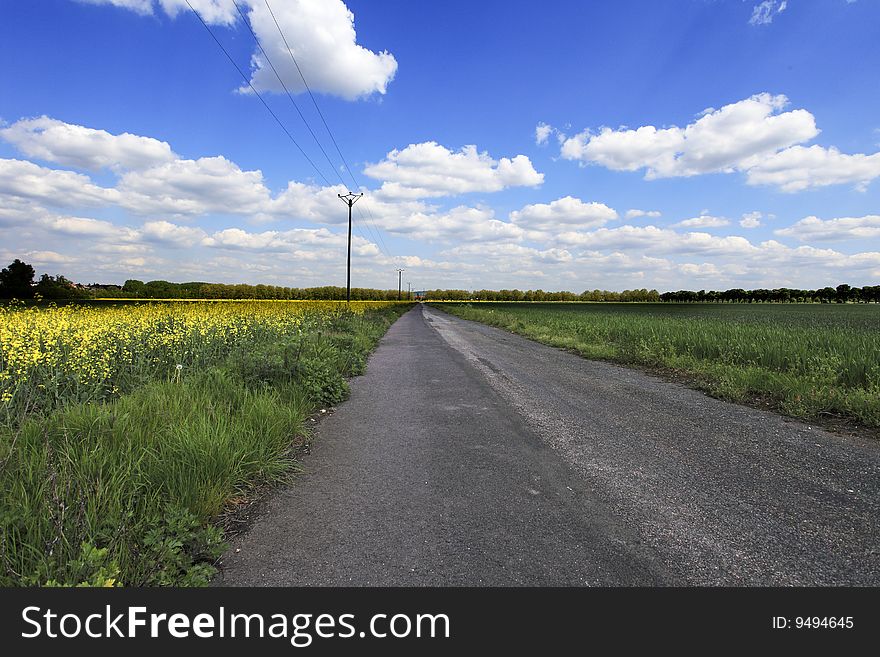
431,170
84,148
165,232
763,13
322,36
753,136
25,180
113,238
542,133
311,203
298,242
509,252
799,168
144,7
47,257
751,220
85,227
320,33
220,12
460,224
730,261
209,184
565,212
704,221
656,240
635,214
737,136
839,229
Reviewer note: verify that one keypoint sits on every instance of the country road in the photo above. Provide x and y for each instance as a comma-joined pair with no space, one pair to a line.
470,456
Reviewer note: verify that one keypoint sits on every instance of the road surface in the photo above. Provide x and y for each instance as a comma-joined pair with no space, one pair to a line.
470,456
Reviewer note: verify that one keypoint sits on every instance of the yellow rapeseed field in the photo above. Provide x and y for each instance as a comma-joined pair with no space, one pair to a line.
86,352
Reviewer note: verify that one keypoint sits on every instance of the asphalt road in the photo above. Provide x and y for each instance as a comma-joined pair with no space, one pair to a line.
470,456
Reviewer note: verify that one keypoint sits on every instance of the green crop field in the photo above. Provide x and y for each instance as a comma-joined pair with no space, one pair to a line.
806,360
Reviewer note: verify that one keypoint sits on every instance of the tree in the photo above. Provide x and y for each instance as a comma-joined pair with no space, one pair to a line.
133,287
16,281
59,287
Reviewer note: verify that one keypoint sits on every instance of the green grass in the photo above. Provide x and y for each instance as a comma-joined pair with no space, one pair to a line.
806,360
129,491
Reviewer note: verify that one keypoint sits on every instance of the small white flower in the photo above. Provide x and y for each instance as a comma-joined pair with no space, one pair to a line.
179,367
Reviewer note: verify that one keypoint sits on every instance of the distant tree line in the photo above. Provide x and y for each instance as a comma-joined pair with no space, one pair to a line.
17,281
165,290
840,294
541,295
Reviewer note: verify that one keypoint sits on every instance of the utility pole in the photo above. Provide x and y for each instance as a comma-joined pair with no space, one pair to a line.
409,291
349,199
399,272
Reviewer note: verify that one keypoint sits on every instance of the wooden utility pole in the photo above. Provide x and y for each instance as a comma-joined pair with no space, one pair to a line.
399,272
349,199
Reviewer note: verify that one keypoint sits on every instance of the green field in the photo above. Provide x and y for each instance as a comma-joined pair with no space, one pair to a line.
806,360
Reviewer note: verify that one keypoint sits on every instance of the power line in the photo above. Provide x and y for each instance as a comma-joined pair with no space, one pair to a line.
268,108
375,236
286,90
262,100
324,121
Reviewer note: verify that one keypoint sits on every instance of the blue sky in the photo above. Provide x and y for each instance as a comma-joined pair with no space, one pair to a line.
558,145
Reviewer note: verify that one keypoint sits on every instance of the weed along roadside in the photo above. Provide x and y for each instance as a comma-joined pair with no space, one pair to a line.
818,362
127,431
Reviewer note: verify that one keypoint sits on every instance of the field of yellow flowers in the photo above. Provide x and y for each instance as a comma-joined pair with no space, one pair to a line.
89,353
126,429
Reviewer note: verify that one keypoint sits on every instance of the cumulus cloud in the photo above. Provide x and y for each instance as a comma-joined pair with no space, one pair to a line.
839,229
568,212
85,227
754,136
460,224
310,203
209,184
144,7
751,220
431,170
704,221
507,251
320,34
657,240
737,136
20,179
84,148
542,133
728,261
165,232
297,242
799,168
635,214
763,13
108,237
